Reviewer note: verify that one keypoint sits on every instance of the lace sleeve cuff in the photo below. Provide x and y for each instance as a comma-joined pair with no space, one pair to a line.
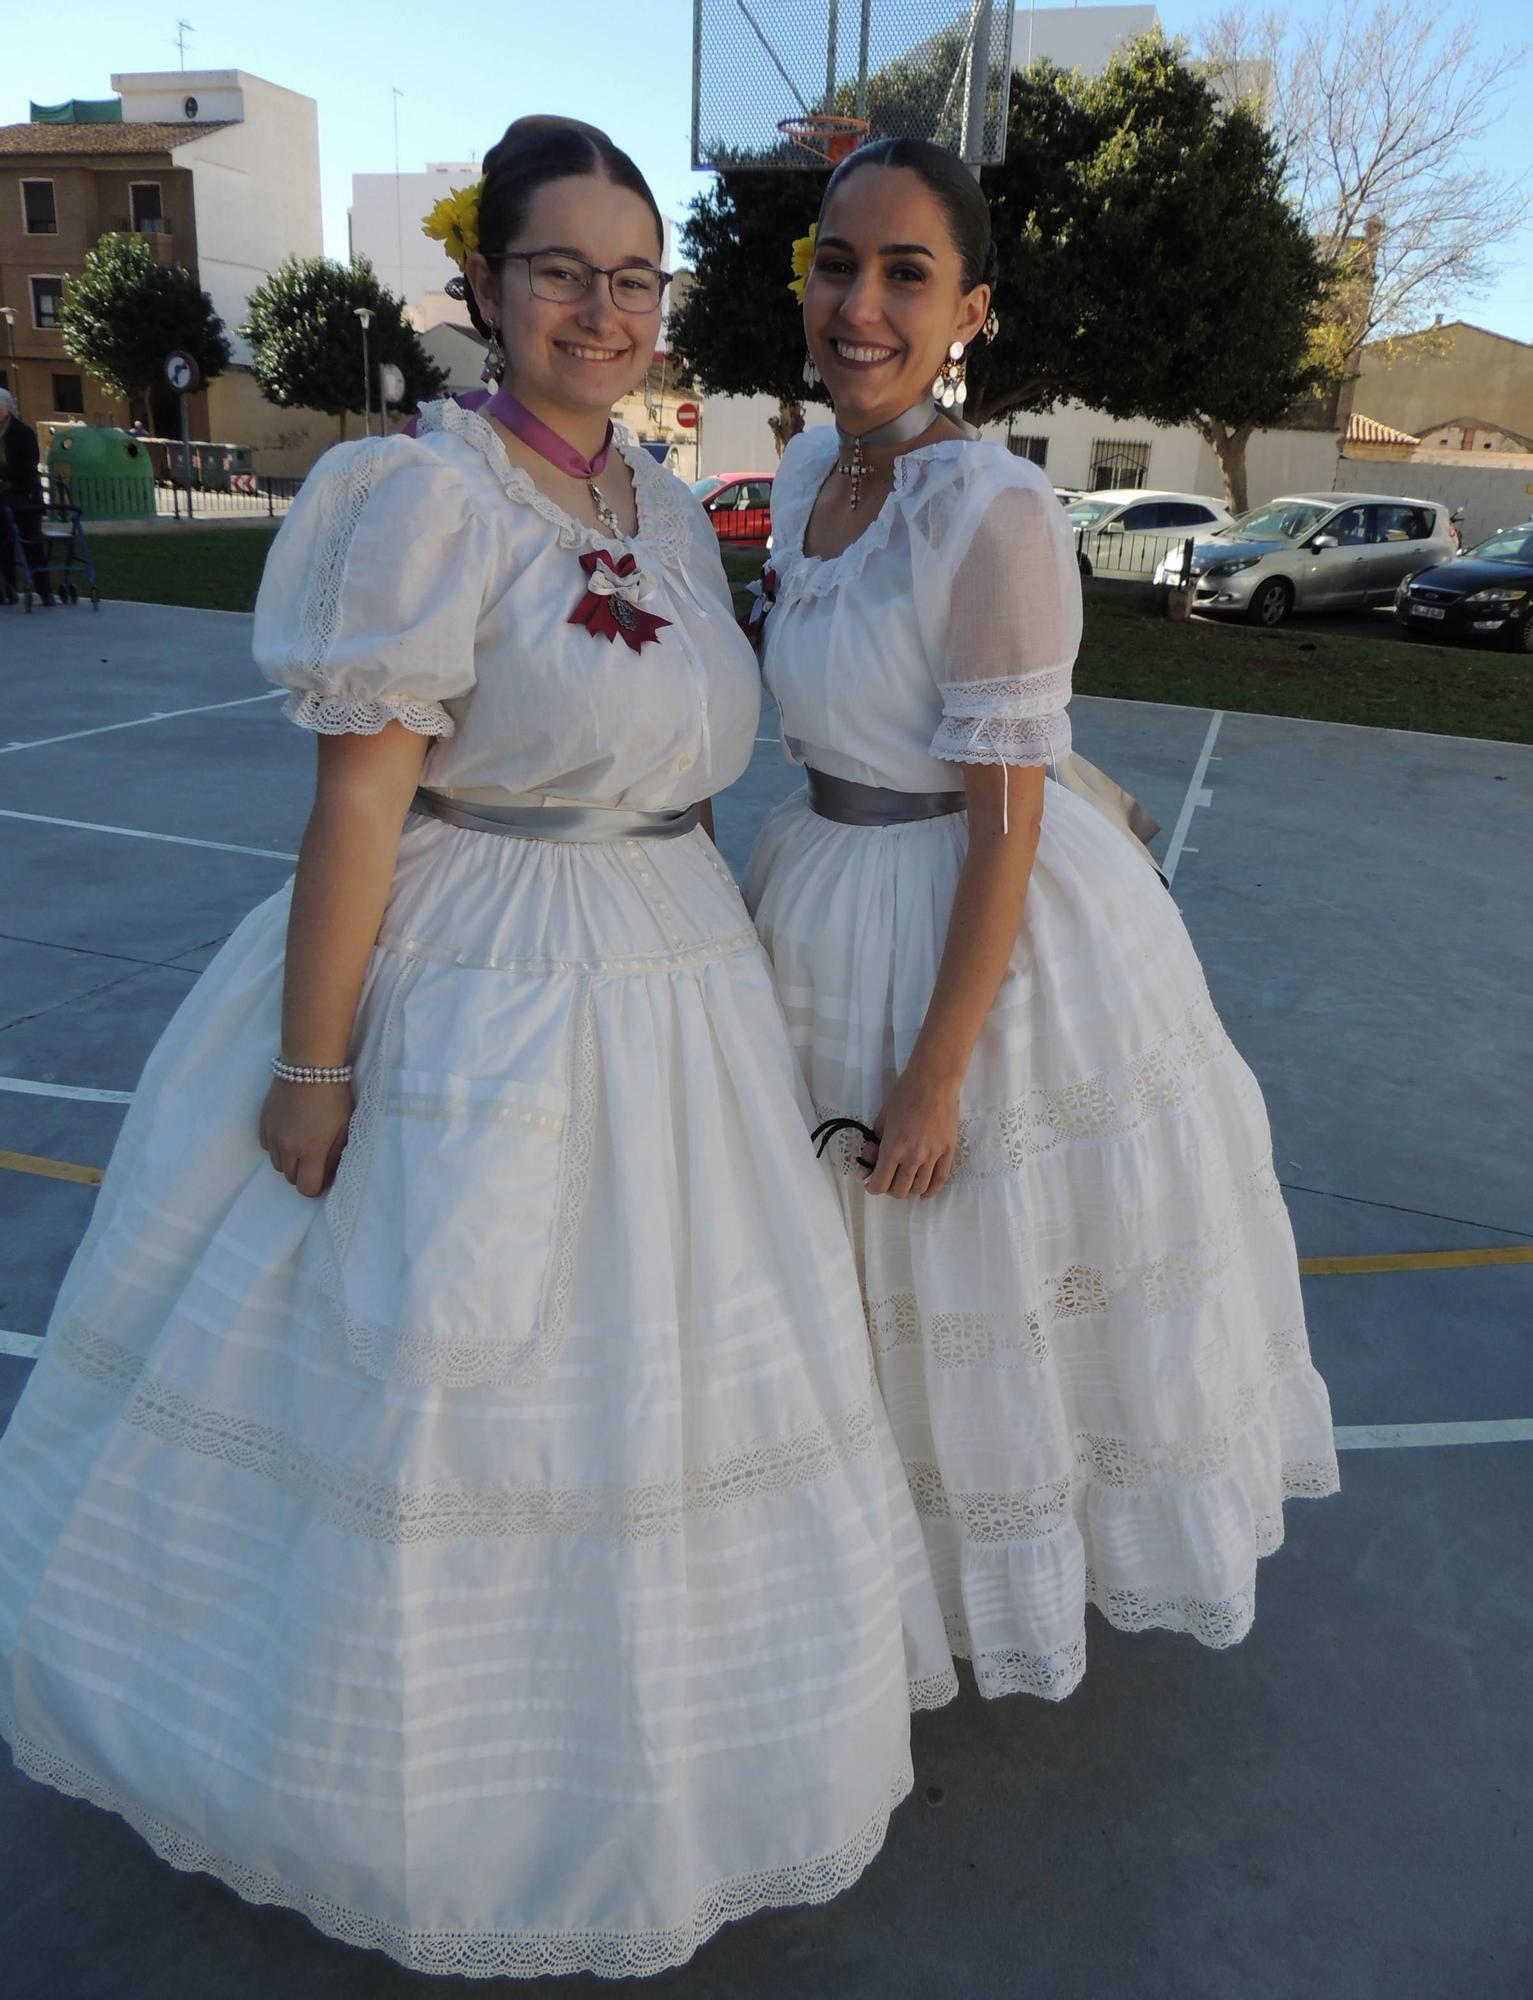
348,715
1001,739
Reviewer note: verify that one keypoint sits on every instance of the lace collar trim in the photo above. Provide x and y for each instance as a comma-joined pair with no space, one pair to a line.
801,575
662,524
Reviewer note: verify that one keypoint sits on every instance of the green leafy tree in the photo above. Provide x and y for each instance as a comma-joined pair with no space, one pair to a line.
125,312
306,342
1151,264
738,330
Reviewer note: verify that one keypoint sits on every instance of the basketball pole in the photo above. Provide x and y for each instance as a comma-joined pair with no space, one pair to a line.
976,84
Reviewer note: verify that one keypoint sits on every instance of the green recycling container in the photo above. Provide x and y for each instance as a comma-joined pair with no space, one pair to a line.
107,473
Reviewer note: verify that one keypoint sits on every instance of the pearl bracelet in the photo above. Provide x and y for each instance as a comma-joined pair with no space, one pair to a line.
309,1072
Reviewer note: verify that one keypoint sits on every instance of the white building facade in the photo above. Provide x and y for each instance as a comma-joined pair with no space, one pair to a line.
255,180
385,227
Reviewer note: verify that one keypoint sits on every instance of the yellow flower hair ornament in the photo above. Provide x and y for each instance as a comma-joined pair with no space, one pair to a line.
454,222
803,259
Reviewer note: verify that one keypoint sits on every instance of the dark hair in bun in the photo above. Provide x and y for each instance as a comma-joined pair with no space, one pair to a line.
533,152
966,209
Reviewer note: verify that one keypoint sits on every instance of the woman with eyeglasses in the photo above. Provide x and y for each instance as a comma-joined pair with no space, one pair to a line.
463,1512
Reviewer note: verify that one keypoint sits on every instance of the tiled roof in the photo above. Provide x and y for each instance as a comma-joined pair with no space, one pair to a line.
99,141
1368,430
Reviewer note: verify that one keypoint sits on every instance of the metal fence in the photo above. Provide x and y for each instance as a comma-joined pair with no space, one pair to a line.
254,495
1127,557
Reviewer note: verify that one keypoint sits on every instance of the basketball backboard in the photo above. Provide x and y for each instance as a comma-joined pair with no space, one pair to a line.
791,83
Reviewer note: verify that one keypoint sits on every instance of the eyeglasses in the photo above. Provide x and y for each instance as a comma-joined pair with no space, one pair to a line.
564,280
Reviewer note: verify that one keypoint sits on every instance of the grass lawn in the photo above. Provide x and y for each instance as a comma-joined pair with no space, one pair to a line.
1129,650
1132,651
213,569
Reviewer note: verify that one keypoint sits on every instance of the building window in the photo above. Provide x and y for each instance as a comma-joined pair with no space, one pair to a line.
148,209
1034,449
1117,462
39,212
69,395
47,296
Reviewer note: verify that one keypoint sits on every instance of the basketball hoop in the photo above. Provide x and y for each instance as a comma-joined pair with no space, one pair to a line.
829,138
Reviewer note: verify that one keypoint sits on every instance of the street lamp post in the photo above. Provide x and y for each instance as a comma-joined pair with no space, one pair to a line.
8,314
365,315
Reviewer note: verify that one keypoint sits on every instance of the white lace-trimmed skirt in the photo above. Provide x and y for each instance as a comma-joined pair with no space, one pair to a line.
504,1561
1091,1344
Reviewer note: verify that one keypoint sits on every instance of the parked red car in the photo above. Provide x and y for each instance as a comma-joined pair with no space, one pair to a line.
739,504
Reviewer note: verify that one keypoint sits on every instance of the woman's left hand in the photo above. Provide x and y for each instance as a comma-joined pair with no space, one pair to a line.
917,1136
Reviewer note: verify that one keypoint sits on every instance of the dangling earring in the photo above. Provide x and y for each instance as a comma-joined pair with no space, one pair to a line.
950,387
811,373
494,358
991,327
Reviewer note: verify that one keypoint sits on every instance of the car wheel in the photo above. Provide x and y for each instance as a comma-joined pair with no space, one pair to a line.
1085,563
1271,602
1522,638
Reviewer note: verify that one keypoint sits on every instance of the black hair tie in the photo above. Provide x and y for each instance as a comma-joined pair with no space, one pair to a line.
826,1132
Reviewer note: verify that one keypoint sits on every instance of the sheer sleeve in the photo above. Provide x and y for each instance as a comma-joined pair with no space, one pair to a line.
1013,621
371,597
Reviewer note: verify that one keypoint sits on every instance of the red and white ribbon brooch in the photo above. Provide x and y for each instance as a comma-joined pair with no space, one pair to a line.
610,606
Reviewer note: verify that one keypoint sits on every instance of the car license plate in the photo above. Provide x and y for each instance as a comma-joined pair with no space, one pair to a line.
1428,611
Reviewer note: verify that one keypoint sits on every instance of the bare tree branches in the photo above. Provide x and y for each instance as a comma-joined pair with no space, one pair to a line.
1377,105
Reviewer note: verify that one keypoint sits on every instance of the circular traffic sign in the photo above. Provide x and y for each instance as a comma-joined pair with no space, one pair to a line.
182,373
687,415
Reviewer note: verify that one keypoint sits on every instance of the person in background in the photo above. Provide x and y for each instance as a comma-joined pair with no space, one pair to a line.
21,490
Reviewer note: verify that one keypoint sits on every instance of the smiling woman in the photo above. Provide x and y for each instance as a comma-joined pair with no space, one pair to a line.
481,1533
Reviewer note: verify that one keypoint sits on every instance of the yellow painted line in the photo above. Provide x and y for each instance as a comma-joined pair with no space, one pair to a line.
1418,1260
53,1170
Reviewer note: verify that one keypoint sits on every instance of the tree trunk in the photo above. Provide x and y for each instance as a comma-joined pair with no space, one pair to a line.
788,422
341,434
1230,449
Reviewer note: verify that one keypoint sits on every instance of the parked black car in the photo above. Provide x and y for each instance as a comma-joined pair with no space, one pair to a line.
1486,593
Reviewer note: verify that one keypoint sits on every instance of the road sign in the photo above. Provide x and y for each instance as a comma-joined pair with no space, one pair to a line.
182,373
391,382
687,415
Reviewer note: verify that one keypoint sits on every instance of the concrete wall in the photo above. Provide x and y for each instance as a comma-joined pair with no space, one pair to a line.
1081,38
734,435
1445,373
385,218
286,442
1492,496
255,183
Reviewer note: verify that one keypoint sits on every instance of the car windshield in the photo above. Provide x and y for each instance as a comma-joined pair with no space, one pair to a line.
703,487
1278,521
1085,513
1512,545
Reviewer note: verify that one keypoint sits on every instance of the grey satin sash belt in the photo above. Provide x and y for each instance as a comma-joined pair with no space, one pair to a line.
558,822
851,804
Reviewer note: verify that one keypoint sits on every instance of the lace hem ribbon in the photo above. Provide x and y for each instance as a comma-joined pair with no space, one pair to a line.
489,1954
365,715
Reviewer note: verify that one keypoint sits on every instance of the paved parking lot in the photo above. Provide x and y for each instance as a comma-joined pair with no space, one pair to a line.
1337,1808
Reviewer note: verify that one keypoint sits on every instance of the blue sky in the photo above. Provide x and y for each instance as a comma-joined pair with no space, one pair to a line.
468,69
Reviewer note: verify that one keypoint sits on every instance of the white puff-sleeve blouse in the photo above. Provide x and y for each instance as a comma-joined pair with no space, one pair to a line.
946,634
428,581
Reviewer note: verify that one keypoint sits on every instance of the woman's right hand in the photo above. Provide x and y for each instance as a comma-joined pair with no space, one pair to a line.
303,1131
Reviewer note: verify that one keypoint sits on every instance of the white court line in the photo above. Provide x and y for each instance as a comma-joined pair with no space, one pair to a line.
1395,1437
24,1087
1198,794
138,833
27,1345
138,722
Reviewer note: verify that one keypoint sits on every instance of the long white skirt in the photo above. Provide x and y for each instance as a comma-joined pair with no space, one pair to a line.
503,1560
1091,1343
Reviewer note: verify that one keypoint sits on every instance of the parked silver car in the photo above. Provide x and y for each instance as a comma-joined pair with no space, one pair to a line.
1313,552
